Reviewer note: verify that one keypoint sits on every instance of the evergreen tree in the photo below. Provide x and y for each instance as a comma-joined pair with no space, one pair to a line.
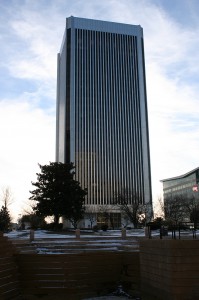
5,219
57,193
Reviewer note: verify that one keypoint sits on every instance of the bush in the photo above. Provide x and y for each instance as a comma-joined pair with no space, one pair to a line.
60,226
104,227
156,224
95,228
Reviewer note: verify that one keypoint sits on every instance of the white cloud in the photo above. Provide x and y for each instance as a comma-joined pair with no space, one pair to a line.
27,138
36,59
174,127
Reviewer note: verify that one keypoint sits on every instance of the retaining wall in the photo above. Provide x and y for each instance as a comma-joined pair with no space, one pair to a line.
77,276
9,281
162,270
169,269
71,276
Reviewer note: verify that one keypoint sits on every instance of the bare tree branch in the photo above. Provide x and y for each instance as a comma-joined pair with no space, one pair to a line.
6,197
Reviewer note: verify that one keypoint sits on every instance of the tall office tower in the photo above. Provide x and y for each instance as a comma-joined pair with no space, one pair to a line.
102,121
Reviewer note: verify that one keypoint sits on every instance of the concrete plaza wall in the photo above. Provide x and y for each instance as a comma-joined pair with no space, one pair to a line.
9,281
169,269
161,270
77,276
71,276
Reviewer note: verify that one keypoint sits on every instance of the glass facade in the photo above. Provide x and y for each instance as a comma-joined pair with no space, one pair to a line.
181,185
102,121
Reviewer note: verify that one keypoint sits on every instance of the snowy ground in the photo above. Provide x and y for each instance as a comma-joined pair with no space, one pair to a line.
43,234
45,242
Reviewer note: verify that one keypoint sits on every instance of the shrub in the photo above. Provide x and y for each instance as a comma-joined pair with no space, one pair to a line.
104,227
95,228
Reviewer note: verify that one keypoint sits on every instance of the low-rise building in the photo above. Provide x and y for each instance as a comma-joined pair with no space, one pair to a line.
186,184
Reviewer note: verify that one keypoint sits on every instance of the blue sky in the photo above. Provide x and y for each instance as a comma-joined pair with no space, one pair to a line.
31,33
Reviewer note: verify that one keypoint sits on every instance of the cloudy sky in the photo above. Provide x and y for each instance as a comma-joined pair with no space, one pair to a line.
31,33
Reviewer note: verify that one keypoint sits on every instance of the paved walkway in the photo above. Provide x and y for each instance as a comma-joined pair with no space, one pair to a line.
111,298
108,298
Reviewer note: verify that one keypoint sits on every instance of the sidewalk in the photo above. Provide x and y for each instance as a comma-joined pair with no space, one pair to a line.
107,298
